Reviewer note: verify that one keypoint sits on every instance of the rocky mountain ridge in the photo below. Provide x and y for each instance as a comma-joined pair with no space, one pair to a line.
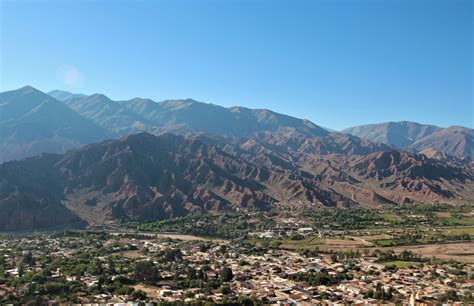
144,177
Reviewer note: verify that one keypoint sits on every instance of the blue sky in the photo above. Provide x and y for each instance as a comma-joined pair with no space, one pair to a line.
337,63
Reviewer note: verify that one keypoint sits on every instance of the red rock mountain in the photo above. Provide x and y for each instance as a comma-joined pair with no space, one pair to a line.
146,177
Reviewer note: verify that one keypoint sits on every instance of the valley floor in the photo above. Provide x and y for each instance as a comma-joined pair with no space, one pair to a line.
406,254
84,267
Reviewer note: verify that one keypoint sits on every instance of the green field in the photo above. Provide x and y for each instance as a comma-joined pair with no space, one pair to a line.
401,264
405,240
459,230
385,242
391,218
465,220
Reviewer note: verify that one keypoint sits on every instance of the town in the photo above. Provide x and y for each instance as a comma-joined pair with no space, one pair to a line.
101,267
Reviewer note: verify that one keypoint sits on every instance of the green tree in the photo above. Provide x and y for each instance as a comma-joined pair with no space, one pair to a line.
226,274
146,271
28,259
139,295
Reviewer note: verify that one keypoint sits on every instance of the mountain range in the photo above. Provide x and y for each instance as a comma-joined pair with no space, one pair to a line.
144,177
95,160
135,115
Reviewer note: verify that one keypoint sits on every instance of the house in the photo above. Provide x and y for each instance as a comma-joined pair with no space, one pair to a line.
306,230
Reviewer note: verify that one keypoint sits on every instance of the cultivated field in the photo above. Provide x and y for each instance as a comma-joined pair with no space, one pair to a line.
459,251
463,251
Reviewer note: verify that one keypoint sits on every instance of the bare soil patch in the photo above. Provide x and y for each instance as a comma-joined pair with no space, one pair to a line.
346,242
133,254
151,291
190,238
462,251
375,237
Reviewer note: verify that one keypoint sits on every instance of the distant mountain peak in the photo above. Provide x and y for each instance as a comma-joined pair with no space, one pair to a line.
141,99
25,90
27,87
99,96
57,91
455,141
63,95
33,122
141,135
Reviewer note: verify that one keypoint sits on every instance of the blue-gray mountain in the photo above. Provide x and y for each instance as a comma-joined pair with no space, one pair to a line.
189,116
182,116
32,122
454,141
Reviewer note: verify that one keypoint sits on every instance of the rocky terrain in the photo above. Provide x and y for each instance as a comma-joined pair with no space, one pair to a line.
145,177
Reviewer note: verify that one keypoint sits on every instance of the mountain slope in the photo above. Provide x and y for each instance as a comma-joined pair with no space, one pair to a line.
108,114
416,174
32,122
191,115
181,116
29,195
399,134
145,177
454,141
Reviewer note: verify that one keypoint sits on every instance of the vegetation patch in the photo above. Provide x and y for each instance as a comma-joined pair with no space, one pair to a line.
401,264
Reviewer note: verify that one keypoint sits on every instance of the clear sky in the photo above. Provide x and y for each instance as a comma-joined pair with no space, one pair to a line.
336,63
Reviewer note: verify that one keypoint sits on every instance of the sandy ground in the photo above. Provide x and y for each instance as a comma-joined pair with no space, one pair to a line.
374,237
463,251
170,235
328,244
133,254
151,291
357,242
444,214
191,238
